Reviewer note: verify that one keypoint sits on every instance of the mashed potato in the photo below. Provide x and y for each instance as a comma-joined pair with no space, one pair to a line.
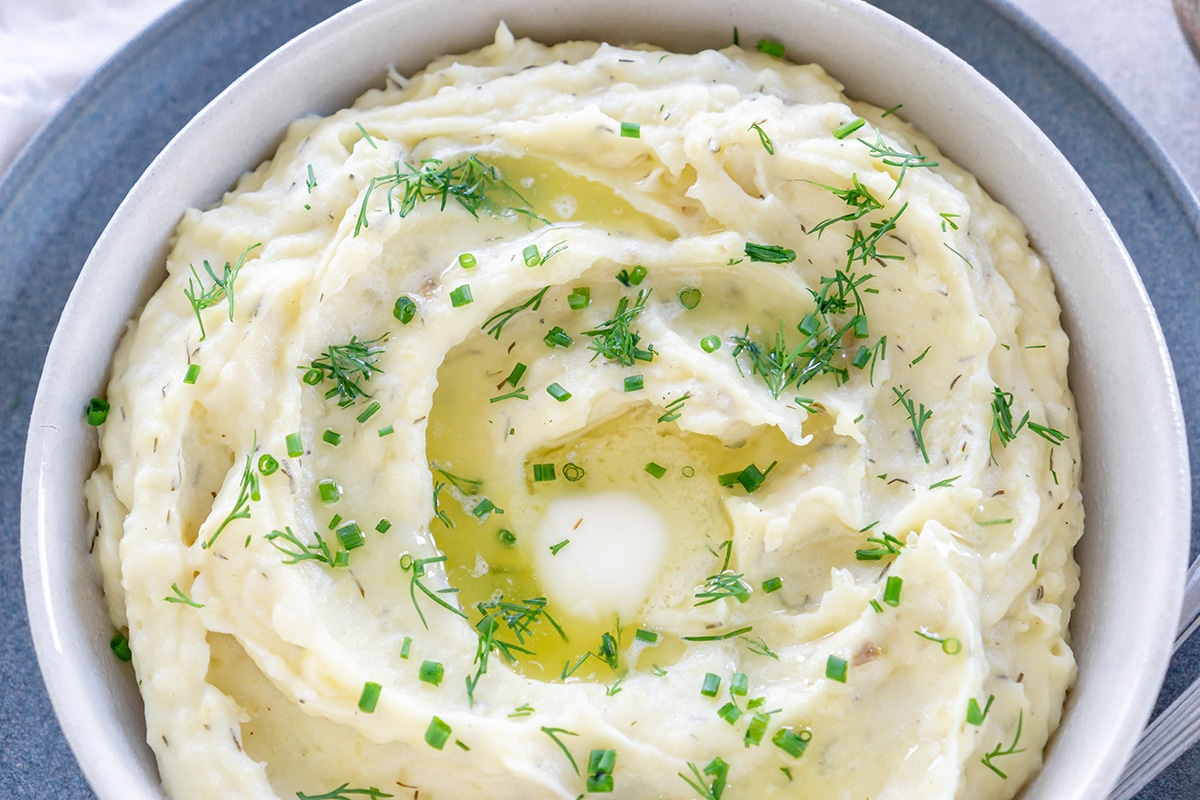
572,420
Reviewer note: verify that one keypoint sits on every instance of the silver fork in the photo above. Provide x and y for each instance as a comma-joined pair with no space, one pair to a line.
1177,729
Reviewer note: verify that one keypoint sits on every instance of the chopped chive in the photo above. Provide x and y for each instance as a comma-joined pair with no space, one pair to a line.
388,431
891,591
369,411
644,635
330,491
484,508
792,742
849,128
572,472
431,672
384,525
921,357
600,769
351,536
405,309
437,733
631,130
337,520
331,437
773,49
836,668
193,372
944,483
580,298
461,296
688,471
514,377
467,260
633,277
892,110
975,714
757,729
369,697
554,548
97,411
656,470
711,685
406,647
739,684
267,464
875,605
311,181
531,256
690,297
341,558
751,478
711,343
1035,559
120,647
772,585
718,637
462,744
557,337
507,537
634,383
543,472
769,253
558,393
729,712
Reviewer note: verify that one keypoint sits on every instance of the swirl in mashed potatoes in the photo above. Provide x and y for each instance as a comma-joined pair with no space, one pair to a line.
580,419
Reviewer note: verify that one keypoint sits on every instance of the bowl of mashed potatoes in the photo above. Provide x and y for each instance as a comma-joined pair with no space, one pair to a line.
570,400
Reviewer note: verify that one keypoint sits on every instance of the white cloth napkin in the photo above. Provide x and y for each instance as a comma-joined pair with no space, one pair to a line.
49,47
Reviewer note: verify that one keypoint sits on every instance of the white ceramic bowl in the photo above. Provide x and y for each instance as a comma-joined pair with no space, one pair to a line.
1135,460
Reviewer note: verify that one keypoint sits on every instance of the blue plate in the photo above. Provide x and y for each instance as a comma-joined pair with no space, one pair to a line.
61,192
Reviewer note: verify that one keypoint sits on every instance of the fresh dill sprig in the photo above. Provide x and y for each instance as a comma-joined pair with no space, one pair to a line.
296,551
616,340
717,769
896,158
343,793
726,583
468,182
863,245
497,321
1002,418
248,491
495,615
221,288
767,144
438,512
346,365
769,253
758,645
553,734
470,486
917,417
182,598
674,409
1011,750
417,567
858,197
887,545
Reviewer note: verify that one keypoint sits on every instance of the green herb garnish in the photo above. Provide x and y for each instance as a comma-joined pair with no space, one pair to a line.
1012,749
917,417
343,792
221,288
347,365
180,597
614,338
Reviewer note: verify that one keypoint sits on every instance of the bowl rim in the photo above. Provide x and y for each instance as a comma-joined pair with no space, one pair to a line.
55,428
